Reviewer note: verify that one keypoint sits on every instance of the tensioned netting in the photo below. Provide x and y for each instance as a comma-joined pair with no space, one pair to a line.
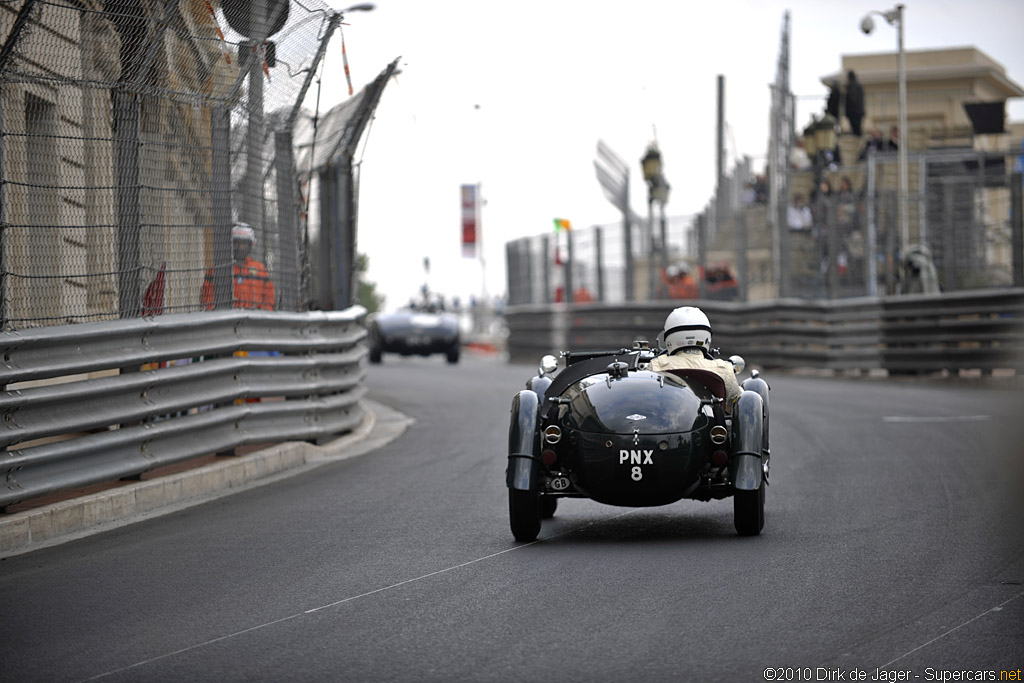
133,135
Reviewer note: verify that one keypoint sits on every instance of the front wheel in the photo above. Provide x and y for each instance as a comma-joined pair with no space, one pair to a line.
748,511
524,514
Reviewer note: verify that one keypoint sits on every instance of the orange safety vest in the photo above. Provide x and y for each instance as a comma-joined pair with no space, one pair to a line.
253,287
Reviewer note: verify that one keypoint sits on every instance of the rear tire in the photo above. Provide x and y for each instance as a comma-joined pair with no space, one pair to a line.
524,514
548,505
748,511
375,354
453,354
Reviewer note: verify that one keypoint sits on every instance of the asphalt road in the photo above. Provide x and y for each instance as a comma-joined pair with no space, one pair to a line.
893,540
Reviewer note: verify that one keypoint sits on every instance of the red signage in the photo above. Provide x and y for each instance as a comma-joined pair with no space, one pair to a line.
470,219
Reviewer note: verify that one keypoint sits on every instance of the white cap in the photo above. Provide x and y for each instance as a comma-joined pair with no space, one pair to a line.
242,231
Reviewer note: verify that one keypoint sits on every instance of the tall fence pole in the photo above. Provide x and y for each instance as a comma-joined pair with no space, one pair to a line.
871,250
545,264
569,262
1017,227
702,252
220,204
287,221
126,122
741,255
599,257
832,241
252,203
627,238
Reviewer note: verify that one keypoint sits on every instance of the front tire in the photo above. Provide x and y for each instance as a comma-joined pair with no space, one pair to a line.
524,514
748,511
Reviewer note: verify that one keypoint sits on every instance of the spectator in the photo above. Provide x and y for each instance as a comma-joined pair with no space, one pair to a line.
582,295
894,139
847,219
854,102
749,195
679,283
874,142
252,286
798,158
798,214
761,188
834,103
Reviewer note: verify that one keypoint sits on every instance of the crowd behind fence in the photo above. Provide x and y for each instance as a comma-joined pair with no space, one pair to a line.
133,135
838,236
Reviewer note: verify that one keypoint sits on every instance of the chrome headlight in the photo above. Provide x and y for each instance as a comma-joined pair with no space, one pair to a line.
548,364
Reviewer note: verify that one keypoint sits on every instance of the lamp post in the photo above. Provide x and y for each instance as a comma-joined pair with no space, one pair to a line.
895,18
657,190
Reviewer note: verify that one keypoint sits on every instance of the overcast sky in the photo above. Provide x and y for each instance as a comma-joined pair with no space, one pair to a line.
516,96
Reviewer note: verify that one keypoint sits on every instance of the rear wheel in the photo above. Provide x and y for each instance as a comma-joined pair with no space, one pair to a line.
748,511
453,354
548,505
524,514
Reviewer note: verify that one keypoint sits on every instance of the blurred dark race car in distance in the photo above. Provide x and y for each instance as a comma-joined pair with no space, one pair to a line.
421,329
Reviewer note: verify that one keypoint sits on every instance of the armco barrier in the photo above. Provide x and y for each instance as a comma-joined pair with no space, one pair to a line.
971,330
78,409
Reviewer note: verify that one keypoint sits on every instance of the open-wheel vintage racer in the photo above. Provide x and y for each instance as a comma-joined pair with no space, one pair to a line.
609,428
419,330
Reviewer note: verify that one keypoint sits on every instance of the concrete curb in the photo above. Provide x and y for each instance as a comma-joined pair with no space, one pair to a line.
53,524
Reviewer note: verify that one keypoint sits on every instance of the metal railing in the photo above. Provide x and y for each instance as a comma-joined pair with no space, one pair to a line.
971,330
95,402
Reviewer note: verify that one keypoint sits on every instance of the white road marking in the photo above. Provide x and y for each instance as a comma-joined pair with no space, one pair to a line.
936,418
997,608
346,600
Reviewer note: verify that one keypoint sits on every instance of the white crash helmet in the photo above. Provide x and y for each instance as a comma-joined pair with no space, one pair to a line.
242,231
685,327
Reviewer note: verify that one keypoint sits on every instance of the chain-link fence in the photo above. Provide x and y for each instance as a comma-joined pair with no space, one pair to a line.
843,235
133,135
840,236
590,264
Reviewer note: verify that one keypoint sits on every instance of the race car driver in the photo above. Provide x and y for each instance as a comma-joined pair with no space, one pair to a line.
687,337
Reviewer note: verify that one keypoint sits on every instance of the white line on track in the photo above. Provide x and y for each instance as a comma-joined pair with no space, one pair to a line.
348,599
997,608
936,418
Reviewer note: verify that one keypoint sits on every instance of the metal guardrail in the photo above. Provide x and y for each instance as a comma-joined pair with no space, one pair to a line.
968,330
114,420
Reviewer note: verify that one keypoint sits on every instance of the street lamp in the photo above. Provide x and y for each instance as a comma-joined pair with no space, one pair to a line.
657,190
810,143
825,137
867,25
651,164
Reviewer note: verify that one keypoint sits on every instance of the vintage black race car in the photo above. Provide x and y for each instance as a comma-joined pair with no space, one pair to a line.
417,330
608,428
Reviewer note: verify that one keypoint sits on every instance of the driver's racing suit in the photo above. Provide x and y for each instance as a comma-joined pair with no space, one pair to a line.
693,357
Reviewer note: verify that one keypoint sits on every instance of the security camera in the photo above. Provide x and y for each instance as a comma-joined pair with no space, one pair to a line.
867,24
